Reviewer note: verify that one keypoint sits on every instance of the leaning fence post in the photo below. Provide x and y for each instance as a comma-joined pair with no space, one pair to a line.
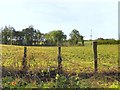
24,61
59,61
95,55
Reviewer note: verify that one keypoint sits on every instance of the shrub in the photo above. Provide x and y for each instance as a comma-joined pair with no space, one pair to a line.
108,41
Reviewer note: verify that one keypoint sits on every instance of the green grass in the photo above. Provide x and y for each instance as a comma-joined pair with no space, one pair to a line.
76,61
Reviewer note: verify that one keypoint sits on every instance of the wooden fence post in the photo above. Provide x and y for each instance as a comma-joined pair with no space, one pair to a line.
24,61
59,61
95,56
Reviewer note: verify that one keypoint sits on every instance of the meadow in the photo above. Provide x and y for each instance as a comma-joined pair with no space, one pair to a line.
77,66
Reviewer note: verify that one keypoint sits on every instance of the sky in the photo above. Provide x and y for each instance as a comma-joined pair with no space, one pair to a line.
98,16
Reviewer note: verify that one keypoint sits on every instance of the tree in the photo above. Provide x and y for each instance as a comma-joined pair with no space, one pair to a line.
75,37
37,37
28,35
18,38
7,34
55,37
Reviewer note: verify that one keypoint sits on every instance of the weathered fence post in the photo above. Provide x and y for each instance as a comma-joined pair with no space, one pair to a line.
95,55
24,61
59,61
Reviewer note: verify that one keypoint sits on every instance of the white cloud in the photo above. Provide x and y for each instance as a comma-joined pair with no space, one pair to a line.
47,15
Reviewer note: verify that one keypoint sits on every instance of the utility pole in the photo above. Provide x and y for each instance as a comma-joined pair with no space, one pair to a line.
91,34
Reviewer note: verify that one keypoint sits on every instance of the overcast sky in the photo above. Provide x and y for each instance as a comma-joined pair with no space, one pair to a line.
46,15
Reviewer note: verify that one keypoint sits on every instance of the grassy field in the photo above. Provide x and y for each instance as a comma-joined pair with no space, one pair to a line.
77,65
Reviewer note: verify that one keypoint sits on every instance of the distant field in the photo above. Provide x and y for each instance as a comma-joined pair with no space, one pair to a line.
76,61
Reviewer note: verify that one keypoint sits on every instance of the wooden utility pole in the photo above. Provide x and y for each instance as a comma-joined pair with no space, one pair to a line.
95,56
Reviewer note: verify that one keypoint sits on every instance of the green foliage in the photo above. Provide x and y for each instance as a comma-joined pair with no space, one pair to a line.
108,41
31,36
27,36
71,82
10,82
61,81
55,37
114,85
7,33
75,37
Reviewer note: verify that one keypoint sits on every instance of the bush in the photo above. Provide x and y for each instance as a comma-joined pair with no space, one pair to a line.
108,41
67,82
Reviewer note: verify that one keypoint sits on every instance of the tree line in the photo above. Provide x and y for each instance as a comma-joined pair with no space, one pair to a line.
31,36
